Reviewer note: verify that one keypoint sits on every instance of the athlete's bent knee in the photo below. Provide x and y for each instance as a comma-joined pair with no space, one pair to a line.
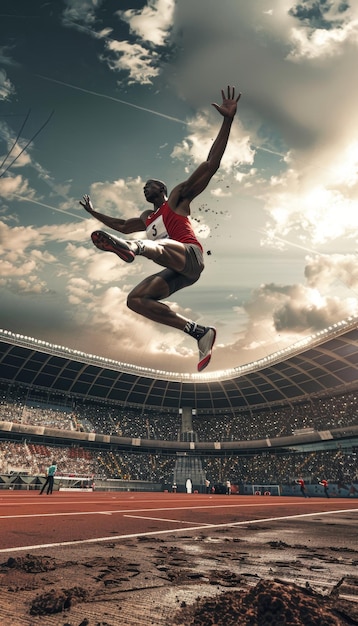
134,303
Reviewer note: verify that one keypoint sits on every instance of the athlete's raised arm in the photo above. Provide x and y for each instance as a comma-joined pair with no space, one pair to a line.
132,225
181,196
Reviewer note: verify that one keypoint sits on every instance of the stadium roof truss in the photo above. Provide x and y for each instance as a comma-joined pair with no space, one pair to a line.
325,363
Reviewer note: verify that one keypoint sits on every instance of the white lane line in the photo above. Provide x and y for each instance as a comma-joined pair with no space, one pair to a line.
154,510
164,519
53,500
175,530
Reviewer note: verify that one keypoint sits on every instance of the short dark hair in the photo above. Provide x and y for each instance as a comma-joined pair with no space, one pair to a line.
162,185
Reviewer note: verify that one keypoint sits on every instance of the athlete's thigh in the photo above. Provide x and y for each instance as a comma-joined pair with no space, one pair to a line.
154,286
160,285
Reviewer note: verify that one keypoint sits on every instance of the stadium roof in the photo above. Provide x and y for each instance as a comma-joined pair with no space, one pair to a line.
322,364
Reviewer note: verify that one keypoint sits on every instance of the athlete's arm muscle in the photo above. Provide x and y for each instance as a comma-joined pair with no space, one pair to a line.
181,196
132,225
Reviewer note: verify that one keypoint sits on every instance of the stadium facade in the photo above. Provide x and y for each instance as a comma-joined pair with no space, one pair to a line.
317,368
321,366
326,363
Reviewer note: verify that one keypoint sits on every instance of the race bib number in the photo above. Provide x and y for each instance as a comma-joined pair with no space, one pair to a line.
157,230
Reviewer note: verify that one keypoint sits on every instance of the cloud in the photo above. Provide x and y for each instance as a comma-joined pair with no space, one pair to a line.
91,283
7,89
136,58
311,213
81,12
304,107
11,186
324,27
30,286
321,15
202,129
278,94
139,64
115,332
305,309
121,197
323,270
321,43
20,275
277,316
79,291
16,156
294,63
220,193
16,240
100,268
153,22
43,256
22,263
9,270
22,249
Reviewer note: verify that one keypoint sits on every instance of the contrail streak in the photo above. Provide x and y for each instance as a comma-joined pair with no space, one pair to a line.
290,243
269,151
47,206
101,95
135,106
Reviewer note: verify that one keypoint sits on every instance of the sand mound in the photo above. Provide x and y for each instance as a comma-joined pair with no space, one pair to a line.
268,604
30,563
57,601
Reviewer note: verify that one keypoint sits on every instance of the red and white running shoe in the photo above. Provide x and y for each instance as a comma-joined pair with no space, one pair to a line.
205,345
110,243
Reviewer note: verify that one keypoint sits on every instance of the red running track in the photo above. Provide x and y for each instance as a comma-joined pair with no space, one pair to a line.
29,521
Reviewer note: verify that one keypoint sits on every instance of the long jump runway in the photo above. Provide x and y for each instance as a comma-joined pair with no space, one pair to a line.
31,522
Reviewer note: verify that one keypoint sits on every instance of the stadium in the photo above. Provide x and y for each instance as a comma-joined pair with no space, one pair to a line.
107,550
147,429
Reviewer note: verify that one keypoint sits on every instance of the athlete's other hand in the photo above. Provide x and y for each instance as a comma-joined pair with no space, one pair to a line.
86,203
229,103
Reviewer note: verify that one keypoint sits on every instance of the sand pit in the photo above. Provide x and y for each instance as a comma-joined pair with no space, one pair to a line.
221,578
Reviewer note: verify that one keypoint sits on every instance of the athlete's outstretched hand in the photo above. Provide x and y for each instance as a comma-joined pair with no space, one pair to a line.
86,203
229,103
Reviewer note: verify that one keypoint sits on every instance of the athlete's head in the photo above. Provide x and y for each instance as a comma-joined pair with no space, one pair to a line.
153,189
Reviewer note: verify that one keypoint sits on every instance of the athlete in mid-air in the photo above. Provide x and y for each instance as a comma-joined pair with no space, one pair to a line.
170,240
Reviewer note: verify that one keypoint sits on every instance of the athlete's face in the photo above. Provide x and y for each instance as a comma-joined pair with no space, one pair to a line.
152,191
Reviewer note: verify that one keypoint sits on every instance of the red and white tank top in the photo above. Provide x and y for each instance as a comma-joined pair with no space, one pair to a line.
164,223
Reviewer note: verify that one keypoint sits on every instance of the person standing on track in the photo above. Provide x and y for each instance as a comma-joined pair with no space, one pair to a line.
324,484
50,479
302,485
170,240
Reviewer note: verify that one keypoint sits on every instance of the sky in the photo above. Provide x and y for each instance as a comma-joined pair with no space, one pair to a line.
97,96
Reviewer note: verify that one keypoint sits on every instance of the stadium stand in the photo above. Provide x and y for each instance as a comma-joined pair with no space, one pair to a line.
268,423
